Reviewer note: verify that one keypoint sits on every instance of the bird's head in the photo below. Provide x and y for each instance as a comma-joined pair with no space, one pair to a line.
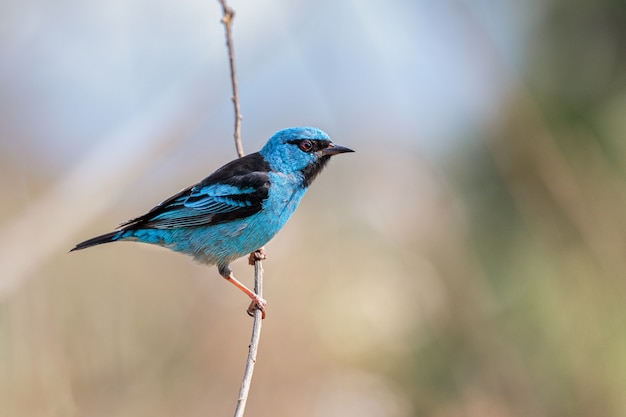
303,150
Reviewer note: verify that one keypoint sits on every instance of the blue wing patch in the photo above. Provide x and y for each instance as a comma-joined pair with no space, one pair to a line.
233,192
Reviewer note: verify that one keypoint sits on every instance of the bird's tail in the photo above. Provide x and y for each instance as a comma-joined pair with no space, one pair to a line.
98,240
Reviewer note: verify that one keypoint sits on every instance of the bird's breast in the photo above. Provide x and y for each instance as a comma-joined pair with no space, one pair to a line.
227,241
284,196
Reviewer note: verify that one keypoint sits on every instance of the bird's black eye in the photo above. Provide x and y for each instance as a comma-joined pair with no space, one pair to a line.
306,146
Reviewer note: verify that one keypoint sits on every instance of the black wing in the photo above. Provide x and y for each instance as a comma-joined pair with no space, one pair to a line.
235,191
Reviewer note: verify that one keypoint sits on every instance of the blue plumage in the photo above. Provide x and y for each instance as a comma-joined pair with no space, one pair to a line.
237,209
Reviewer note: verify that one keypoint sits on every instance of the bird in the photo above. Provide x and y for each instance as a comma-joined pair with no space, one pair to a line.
237,209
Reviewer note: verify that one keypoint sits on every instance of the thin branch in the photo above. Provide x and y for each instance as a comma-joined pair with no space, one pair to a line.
227,20
254,343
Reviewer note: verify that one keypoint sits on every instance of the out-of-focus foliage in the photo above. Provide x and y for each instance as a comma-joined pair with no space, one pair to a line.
539,311
484,279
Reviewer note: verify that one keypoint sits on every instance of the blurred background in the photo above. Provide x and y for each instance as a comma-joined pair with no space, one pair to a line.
468,260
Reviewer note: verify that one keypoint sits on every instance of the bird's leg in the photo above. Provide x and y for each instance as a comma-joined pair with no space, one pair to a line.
257,255
257,301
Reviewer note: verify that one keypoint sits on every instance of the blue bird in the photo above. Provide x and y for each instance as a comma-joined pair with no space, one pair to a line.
237,209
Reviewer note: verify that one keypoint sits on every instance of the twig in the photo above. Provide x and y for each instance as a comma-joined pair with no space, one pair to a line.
227,20
254,343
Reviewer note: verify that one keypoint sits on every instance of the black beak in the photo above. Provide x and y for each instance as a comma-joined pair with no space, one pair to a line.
333,149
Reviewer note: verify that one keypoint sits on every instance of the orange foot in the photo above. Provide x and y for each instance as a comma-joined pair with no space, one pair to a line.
257,302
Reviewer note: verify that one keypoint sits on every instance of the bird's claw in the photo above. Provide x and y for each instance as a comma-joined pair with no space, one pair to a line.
259,303
257,255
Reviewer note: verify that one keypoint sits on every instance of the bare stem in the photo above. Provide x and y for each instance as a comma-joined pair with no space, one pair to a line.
227,20
254,343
